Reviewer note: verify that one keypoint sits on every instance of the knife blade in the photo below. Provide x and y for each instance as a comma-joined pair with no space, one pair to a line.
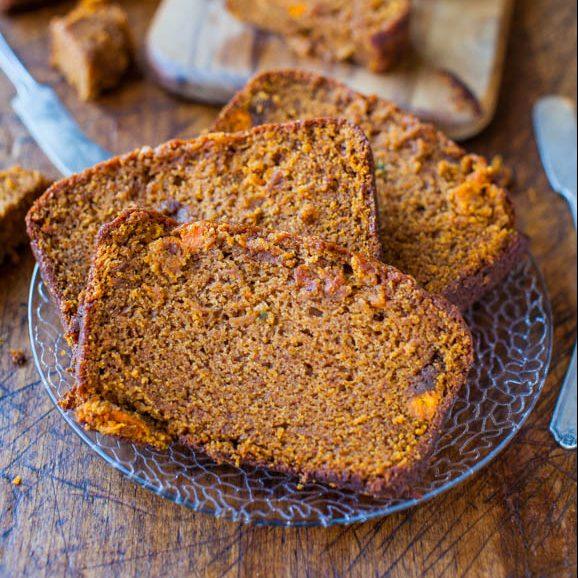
556,132
47,119
555,122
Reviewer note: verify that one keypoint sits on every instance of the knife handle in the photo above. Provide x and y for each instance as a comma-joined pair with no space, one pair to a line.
563,425
564,421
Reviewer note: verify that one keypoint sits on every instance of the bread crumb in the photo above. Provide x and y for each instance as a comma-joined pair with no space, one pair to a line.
18,357
17,481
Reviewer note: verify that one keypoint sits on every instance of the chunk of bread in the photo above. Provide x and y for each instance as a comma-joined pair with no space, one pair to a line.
19,188
373,33
92,46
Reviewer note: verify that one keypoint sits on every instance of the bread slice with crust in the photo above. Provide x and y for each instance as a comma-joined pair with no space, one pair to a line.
374,33
269,349
443,217
19,188
312,178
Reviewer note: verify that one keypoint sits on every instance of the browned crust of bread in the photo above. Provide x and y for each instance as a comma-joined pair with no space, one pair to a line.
225,121
465,291
469,290
387,47
48,277
92,47
400,480
376,44
34,226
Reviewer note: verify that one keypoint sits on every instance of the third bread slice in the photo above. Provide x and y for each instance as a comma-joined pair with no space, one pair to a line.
443,217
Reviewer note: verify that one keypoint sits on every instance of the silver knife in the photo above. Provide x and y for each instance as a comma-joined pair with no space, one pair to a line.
47,119
555,124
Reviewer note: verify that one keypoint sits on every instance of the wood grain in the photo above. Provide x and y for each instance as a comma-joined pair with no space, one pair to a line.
197,49
73,516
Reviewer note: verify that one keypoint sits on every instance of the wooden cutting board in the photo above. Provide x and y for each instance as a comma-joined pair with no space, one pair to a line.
196,49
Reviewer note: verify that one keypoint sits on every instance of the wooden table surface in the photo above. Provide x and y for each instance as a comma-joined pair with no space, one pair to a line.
74,516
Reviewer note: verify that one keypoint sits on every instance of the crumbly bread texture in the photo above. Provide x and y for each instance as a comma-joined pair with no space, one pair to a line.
92,47
265,348
19,188
312,178
374,33
443,216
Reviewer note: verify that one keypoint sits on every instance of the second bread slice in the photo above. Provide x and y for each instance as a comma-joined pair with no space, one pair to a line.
265,348
311,178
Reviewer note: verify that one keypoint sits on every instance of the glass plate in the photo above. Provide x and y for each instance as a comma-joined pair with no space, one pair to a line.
513,333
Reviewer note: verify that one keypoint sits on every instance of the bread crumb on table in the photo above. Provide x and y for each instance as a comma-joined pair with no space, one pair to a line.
17,481
18,357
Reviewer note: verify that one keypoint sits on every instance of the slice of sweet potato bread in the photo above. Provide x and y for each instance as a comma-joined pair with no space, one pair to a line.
268,349
442,216
312,178
374,33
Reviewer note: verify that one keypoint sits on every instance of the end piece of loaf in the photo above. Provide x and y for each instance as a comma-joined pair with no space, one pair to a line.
311,178
269,349
368,32
443,216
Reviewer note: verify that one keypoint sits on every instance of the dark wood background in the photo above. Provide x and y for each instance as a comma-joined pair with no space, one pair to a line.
74,516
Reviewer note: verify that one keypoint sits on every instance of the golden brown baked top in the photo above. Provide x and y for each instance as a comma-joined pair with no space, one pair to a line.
312,178
374,33
442,217
266,348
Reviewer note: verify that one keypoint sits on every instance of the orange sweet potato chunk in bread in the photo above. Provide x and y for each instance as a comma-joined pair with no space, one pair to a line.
443,218
268,349
311,178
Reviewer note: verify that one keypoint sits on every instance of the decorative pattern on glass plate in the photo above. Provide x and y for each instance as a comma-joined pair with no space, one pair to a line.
513,332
